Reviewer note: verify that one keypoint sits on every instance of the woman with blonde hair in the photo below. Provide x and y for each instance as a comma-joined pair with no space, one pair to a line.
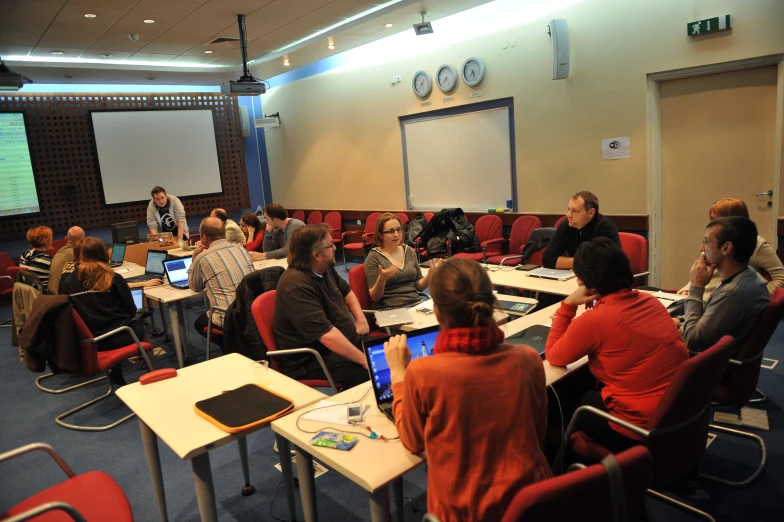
35,258
478,406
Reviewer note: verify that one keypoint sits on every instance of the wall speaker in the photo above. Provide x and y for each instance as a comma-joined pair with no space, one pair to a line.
244,121
560,35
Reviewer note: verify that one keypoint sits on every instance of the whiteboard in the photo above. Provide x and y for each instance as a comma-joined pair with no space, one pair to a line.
138,150
462,160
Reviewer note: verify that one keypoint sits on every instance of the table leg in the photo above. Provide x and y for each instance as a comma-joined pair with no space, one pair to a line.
284,453
205,491
379,505
150,443
248,489
175,330
182,328
307,484
397,496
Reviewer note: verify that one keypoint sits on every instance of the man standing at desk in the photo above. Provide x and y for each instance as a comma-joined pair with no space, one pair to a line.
583,223
166,214
315,307
218,266
280,228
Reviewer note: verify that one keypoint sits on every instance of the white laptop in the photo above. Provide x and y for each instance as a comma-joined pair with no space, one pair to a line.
395,317
552,273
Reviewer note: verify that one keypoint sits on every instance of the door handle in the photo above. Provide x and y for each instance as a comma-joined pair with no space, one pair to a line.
768,193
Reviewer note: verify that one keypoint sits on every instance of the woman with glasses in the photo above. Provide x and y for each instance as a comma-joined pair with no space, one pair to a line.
391,268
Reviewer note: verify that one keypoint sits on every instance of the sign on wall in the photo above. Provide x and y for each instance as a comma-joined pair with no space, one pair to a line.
709,25
616,148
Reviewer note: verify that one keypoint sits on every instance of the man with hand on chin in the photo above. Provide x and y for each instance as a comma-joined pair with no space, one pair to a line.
278,233
735,306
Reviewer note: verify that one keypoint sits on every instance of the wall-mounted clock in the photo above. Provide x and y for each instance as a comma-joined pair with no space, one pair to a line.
422,84
446,78
473,71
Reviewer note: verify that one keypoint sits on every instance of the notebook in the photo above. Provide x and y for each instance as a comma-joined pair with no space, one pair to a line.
421,343
118,254
394,317
534,336
153,269
177,272
552,273
515,308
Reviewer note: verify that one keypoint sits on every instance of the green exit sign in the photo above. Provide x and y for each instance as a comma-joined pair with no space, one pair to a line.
709,25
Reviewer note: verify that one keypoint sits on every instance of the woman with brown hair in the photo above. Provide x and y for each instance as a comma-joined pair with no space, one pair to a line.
764,259
36,259
253,230
102,297
478,406
391,269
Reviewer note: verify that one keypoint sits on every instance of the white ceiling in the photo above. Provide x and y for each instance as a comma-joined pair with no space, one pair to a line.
182,29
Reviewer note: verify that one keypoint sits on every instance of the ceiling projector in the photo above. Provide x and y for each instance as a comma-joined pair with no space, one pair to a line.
246,85
11,81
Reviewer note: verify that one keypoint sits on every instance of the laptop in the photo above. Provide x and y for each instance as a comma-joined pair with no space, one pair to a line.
394,317
118,254
421,343
534,336
154,267
515,308
551,273
177,272
138,298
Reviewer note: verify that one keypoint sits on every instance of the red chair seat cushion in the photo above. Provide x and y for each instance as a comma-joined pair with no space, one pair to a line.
94,494
583,445
353,246
6,292
110,358
496,260
466,255
316,383
215,331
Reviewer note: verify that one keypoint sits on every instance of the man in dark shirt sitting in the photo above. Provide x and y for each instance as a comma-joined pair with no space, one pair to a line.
315,307
583,223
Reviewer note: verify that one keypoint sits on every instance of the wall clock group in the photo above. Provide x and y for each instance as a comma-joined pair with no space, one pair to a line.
472,72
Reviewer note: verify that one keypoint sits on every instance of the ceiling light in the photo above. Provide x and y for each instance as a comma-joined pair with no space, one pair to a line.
207,52
387,25
57,53
286,63
107,55
331,46
149,21
90,15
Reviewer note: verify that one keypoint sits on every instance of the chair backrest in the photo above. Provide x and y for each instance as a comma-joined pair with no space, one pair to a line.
740,382
89,351
521,231
335,222
314,218
559,221
636,249
680,421
572,495
5,262
358,284
428,215
402,217
57,244
263,311
298,214
370,224
13,271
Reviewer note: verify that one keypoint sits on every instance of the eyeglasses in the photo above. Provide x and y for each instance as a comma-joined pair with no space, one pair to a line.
392,231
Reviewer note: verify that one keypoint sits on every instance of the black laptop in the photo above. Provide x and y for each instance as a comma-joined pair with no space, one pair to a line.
118,254
177,272
154,267
534,336
421,343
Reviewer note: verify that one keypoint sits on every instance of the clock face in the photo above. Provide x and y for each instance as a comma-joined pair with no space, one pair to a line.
446,78
473,71
422,84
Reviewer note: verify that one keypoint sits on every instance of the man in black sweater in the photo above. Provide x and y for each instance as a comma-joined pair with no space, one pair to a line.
583,223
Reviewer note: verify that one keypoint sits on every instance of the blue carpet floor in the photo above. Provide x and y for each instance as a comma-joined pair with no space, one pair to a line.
28,416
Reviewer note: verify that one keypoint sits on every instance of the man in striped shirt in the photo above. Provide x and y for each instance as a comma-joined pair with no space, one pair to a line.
218,267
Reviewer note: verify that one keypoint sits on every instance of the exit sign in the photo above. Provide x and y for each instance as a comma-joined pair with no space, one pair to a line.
709,25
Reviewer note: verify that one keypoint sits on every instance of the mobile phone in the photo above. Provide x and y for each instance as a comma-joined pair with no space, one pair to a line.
354,414
426,310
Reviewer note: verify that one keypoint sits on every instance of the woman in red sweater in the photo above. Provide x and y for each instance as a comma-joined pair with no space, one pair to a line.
633,347
253,230
477,407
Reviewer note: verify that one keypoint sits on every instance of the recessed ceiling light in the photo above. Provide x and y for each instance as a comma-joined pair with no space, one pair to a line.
107,55
207,52
90,15
286,63
149,21
388,25
330,46
57,53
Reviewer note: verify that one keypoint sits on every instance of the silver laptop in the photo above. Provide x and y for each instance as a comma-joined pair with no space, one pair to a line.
552,273
393,317
177,272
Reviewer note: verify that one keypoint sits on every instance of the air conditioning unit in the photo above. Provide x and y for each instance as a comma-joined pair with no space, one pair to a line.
263,123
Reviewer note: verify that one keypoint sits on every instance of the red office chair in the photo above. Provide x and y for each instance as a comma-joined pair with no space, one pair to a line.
94,362
6,282
559,221
490,232
358,283
521,231
210,329
739,384
88,496
677,431
370,228
314,218
57,244
636,249
263,311
13,272
335,222
428,215
402,217
588,490
298,214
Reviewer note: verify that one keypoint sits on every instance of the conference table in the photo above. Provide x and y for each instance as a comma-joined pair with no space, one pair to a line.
374,465
421,320
166,410
508,276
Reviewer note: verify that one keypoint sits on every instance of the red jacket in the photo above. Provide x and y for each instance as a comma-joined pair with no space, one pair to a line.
632,345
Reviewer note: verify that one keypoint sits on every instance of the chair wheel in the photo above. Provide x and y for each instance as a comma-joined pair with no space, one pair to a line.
248,490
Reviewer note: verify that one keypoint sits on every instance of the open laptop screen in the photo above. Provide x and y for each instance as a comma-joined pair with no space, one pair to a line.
177,269
421,343
118,252
138,298
155,259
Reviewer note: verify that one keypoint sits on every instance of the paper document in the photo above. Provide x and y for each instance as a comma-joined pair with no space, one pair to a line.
667,299
120,270
332,412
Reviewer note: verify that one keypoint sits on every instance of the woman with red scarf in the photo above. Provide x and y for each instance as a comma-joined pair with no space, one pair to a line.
477,407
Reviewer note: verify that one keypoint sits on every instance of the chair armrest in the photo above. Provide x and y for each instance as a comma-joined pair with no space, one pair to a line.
509,257
641,274
130,331
484,244
584,411
746,362
350,233
44,508
7,277
320,360
27,448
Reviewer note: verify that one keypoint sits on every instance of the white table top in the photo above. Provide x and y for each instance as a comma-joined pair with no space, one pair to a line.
424,321
507,276
128,269
167,407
